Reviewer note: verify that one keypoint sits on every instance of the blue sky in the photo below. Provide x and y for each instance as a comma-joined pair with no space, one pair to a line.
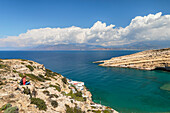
17,16
30,23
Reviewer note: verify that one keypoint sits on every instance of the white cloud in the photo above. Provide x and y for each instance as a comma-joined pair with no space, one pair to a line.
150,27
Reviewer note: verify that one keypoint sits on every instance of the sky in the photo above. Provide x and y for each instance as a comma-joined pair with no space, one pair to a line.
27,23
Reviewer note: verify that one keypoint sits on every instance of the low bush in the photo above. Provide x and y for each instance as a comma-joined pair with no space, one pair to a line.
21,75
30,67
53,95
107,111
40,103
2,66
31,62
4,107
78,94
75,96
46,92
22,63
45,78
1,83
64,80
50,74
54,103
23,60
84,98
27,91
33,77
73,110
56,87
14,71
11,110
98,111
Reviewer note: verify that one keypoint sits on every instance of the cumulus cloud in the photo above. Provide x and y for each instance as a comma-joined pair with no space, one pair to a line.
147,28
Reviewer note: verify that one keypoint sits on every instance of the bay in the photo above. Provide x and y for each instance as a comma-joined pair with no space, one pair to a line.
125,90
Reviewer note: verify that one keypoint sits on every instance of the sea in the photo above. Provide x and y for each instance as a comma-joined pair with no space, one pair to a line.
125,90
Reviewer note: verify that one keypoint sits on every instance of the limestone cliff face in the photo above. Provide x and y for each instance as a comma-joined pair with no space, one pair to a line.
49,92
146,60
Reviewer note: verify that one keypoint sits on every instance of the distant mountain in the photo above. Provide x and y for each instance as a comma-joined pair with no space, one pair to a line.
145,45
148,45
67,47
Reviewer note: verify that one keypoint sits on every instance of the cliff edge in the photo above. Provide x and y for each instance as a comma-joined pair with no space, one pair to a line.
146,60
49,92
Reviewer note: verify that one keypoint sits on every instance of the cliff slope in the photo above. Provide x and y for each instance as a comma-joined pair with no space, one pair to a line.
49,92
146,60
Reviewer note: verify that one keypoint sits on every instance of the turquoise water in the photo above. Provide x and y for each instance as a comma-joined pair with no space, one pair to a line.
126,90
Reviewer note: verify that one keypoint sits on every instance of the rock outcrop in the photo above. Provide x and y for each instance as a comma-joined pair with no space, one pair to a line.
49,92
146,60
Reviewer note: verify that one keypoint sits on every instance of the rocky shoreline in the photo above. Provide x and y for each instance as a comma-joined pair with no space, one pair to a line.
146,60
49,92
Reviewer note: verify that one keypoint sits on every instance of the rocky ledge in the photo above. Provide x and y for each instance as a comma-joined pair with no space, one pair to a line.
146,60
49,92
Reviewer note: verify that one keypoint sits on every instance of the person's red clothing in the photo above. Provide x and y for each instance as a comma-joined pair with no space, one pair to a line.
24,81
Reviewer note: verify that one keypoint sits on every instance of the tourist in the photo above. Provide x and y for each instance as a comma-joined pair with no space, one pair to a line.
24,82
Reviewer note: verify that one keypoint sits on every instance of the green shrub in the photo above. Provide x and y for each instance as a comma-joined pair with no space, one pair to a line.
98,111
64,93
72,110
21,75
33,77
54,103
2,66
1,83
84,98
40,103
78,94
11,110
46,92
50,74
23,60
64,80
30,67
45,78
4,107
57,84
27,91
57,74
107,111
3,78
53,95
75,96
88,110
14,71
31,62
56,87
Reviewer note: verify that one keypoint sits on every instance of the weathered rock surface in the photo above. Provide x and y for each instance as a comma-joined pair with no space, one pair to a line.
146,60
49,92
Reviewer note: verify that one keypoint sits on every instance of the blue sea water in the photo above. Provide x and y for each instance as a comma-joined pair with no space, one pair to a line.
126,90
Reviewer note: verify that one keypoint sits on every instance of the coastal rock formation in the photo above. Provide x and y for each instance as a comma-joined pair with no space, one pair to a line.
146,60
49,92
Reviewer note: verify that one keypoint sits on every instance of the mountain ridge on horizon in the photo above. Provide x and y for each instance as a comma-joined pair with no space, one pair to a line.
145,45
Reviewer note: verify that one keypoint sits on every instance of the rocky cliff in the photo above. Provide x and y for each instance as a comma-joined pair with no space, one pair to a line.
146,60
49,92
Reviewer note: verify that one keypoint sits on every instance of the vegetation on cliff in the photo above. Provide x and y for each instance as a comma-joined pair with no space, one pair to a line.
48,92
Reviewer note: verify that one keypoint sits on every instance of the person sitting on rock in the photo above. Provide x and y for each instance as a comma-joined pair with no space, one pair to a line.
24,82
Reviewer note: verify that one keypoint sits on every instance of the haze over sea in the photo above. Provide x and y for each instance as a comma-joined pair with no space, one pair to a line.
125,90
